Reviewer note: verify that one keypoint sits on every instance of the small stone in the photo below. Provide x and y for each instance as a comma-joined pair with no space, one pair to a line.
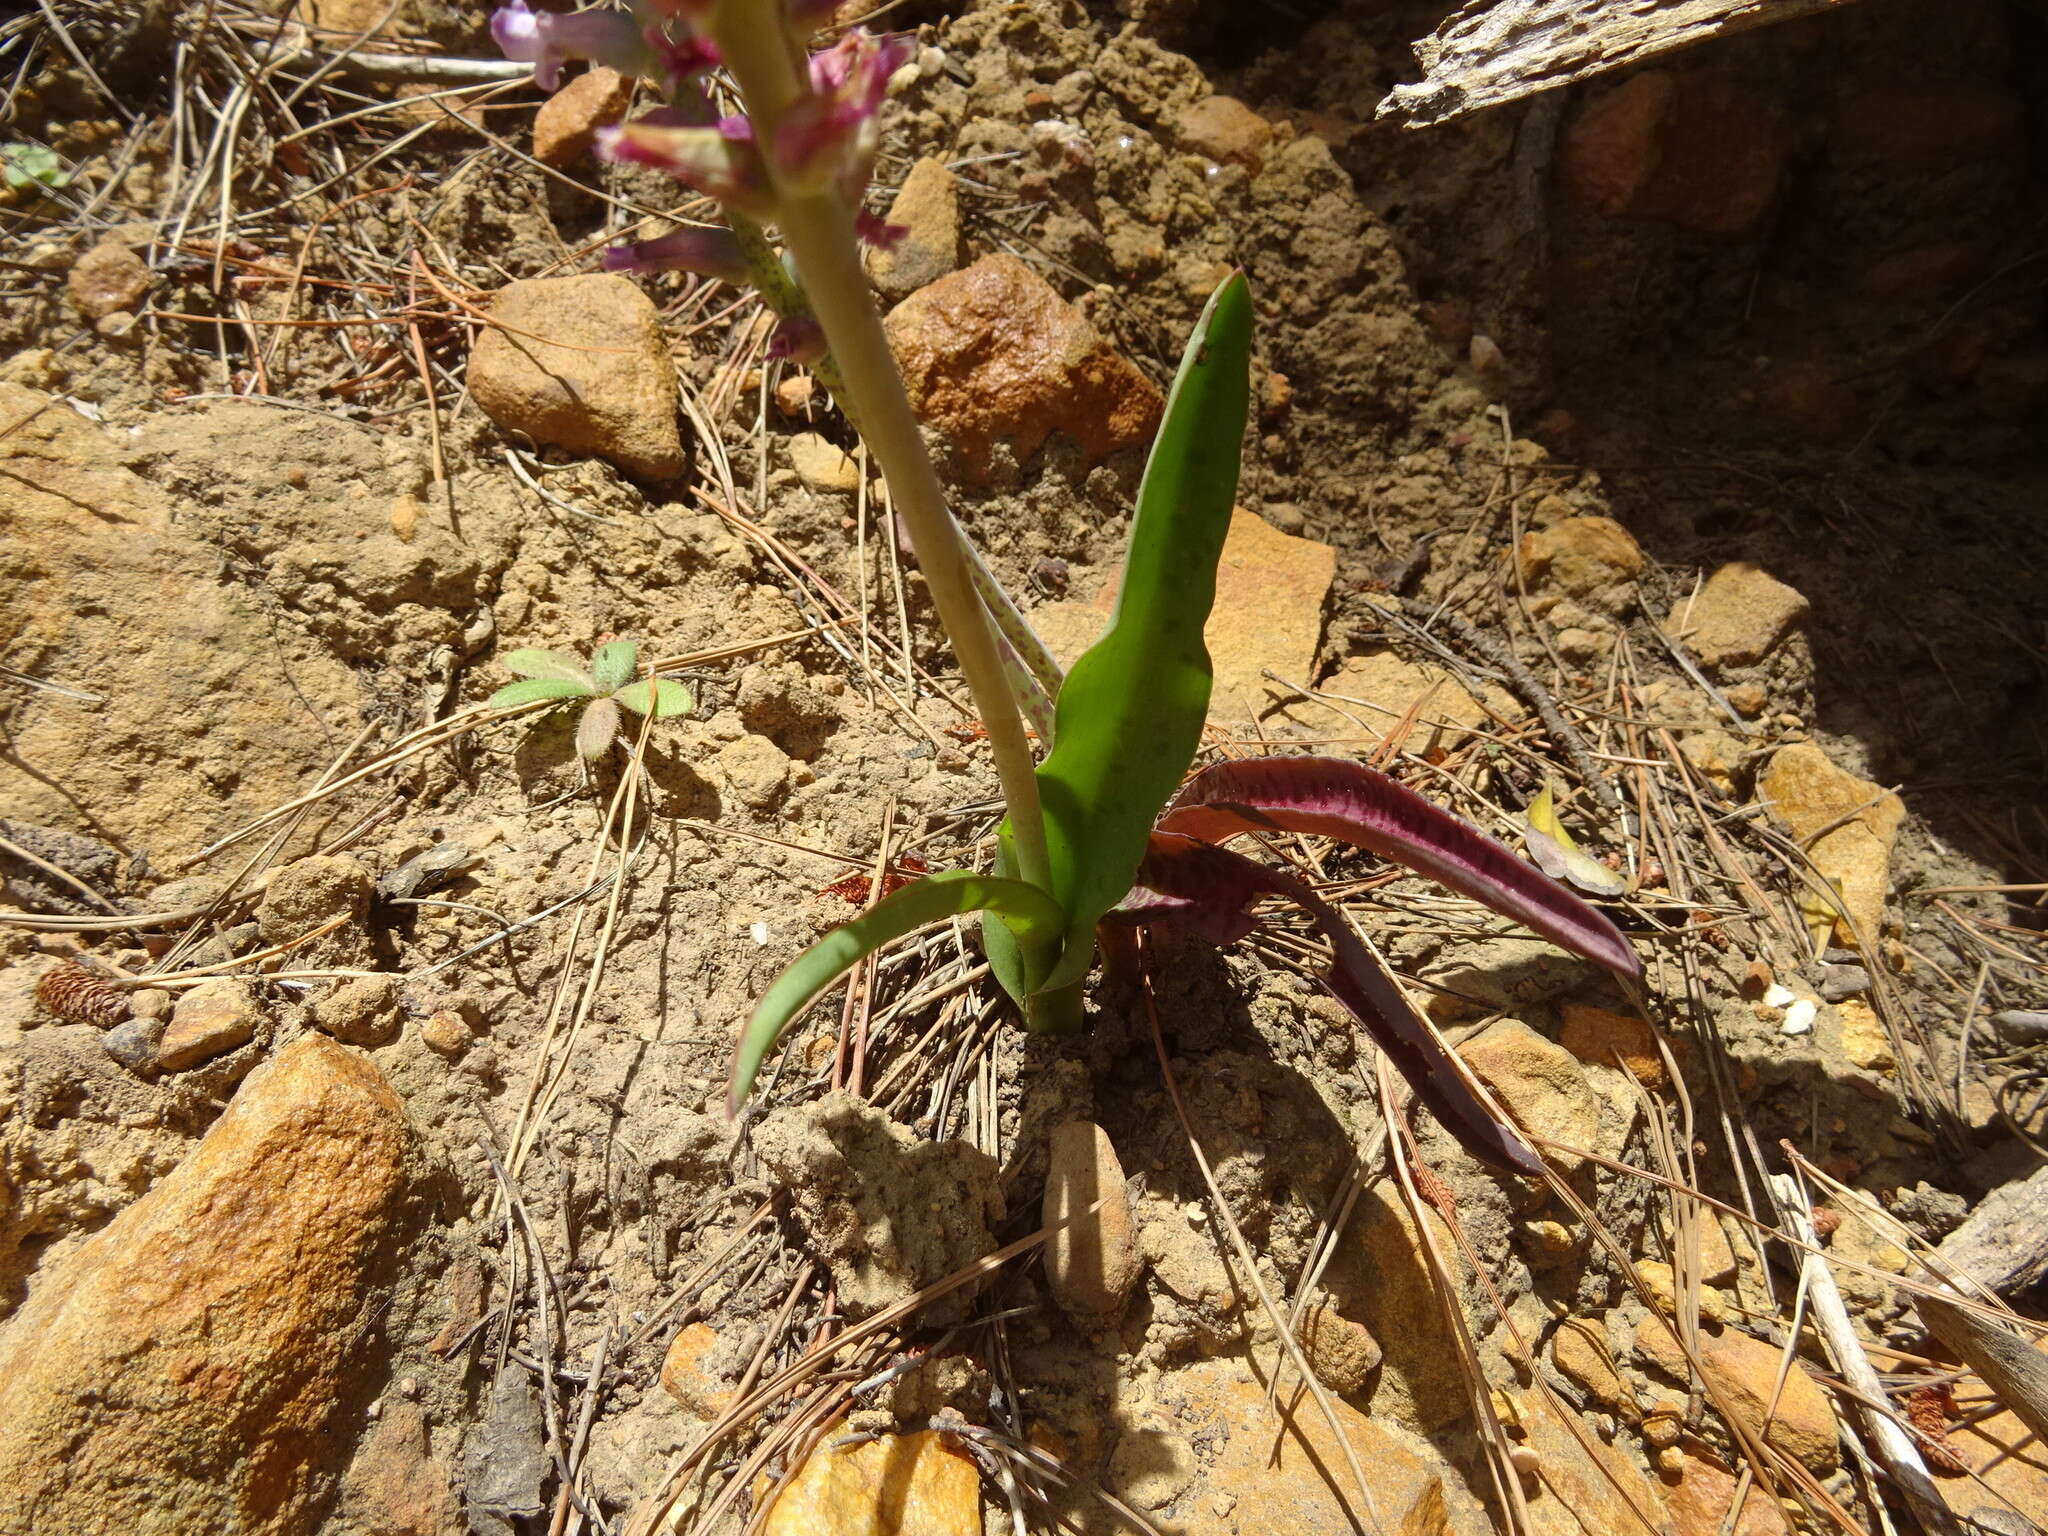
1224,129
1589,558
1683,147
992,352
188,1368
135,1043
1738,617
1714,755
1717,1259
823,465
1609,1039
1541,1085
115,327
361,1010
756,769
686,1378
794,393
927,206
1746,699
210,1020
896,1485
1093,1262
568,120
582,363
406,512
312,891
108,279
1579,1351
2021,1026
150,1003
1583,646
444,1032
1662,1283
1746,1371
1807,792
1838,983
1864,1040
1341,1351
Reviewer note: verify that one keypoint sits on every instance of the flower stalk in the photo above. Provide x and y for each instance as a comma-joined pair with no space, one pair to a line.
819,232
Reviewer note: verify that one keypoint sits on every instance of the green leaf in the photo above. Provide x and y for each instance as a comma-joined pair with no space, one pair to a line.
27,165
670,697
528,689
611,665
1131,711
1028,910
535,662
598,729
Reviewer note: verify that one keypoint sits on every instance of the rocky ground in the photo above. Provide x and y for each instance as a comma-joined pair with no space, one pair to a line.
364,1167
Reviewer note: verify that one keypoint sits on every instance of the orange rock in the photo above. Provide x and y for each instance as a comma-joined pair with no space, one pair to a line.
1224,129
1596,1035
2009,1461
1580,555
1569,1490
898,1485
685,1377
1698,1497
184,1369
1738,617
395,1487
1092,1261
1811,796
1268,617
1540,1083
1280,1472
581,363
1687,148
569,119
993,352
1746,1372
107,279
927,207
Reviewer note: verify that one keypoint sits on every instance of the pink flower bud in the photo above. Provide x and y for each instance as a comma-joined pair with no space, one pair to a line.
721,161
707,252
829,137
796,339
548,39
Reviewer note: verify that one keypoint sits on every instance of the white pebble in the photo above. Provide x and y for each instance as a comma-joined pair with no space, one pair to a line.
1799,1017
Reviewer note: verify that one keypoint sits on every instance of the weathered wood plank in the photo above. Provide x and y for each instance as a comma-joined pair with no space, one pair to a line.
1496,51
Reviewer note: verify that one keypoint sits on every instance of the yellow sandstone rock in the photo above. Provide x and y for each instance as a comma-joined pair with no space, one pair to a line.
898,1485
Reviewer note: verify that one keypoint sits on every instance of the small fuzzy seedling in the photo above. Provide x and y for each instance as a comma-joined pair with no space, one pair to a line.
607,684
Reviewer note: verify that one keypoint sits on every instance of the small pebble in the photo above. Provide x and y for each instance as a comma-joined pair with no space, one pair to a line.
134,1044
1838,982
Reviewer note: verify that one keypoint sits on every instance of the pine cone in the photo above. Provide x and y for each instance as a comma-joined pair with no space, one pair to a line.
81,996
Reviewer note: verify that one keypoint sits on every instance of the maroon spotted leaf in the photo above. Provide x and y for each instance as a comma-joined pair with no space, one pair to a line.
1333,797
1209,891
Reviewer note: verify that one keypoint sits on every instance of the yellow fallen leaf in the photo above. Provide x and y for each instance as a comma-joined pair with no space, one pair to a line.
1553,851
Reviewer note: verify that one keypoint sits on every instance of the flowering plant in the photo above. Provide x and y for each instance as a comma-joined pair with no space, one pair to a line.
1103,830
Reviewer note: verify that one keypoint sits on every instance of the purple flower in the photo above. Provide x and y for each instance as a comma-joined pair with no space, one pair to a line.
829,137
548,39
707,252
796,339
721,161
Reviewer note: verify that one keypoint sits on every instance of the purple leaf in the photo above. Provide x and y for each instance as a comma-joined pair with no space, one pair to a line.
1333,797
1209,890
